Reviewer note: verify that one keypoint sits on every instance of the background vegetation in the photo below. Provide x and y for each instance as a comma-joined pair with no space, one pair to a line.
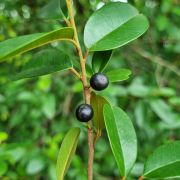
36,113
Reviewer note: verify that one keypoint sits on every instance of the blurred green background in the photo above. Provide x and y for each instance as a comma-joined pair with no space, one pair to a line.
36,113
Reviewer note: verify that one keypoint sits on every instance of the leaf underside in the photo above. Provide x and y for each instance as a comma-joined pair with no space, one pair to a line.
98,103
53,10
44,62
100,60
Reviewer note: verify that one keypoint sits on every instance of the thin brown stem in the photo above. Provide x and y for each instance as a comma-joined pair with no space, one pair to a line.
87,92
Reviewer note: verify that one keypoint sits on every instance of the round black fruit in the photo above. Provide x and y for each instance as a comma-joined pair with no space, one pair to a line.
99,82
84,112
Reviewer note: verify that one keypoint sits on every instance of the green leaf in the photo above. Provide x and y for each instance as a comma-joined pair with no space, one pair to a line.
19,45
122,138
3,168
164,162
44,62
163,111
98,103
66,152
121,24
35,166
49,106
53,10
100,60
118,75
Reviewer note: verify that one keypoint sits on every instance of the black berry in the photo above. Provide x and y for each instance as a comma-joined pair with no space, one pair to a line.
84,112
99,81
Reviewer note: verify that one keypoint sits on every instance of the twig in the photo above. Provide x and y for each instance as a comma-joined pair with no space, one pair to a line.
75,72
87,93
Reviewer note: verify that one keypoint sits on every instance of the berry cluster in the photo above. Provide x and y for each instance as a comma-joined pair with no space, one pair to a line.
98,82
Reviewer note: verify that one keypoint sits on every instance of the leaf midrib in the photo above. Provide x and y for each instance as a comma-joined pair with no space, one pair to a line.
30,42
155,169
124,173
70,152
94,45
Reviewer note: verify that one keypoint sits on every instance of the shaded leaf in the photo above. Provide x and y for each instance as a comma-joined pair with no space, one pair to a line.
121,23
66,152
100,60
53,10
118,75
44,62
122,138
21,44
98,103
164,162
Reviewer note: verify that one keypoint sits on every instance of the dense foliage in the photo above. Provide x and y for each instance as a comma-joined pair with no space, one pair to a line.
36,113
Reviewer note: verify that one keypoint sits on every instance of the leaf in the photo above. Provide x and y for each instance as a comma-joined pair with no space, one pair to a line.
44,62
164,162
35,166
49,106
121,24
98,103
122,138
100,60
3,167
163,111
53,10
66,152
118,75
19,45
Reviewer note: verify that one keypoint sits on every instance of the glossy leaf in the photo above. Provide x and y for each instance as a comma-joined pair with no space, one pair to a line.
98,103
53,10
118,75
44,62
122,138
100,60
66,152
164,162
19,45
121,24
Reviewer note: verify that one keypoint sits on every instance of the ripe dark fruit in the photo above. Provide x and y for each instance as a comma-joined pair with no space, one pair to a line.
99,81
84,112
